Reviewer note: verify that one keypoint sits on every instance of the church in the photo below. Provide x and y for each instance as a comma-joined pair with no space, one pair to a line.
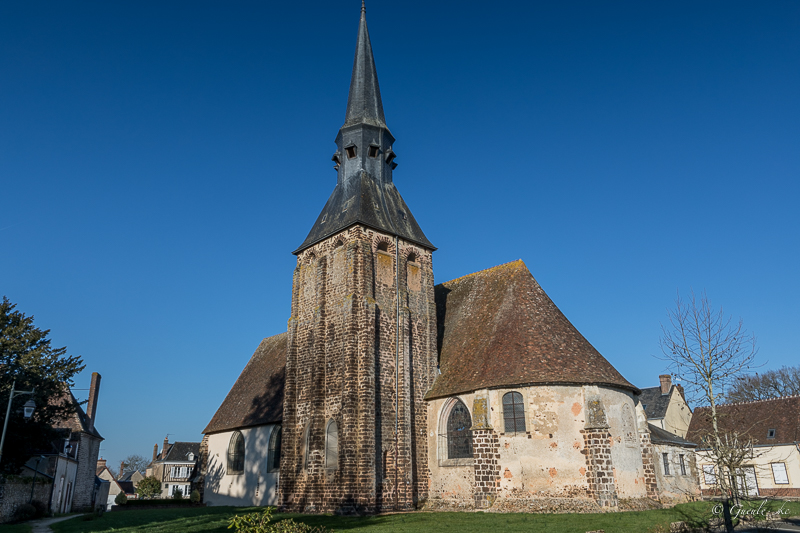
388,392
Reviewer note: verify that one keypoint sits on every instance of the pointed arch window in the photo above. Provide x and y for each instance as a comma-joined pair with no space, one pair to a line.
459,434
274,454
332,446
513,413
236,453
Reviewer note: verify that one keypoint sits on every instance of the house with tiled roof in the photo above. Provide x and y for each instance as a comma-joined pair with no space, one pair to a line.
666,406
388,392
773,427
176,467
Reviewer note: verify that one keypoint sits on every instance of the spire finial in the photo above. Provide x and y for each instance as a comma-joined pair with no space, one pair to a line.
363,8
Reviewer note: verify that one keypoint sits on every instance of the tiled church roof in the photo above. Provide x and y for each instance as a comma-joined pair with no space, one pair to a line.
752,418
498,328
257,396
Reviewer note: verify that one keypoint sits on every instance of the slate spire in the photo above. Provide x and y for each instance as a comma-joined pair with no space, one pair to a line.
364,161
364,104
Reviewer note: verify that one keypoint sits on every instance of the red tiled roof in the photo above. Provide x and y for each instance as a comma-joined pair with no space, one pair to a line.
257,396
498,328
752,418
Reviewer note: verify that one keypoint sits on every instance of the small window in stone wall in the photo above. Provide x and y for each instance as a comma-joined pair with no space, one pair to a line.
459,434
665,456
513,413
307,446
332,446
236,454
413,274
683,465
274,455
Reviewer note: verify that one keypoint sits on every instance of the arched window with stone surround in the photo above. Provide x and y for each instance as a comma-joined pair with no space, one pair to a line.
332,446
513,413
274,452
459,434
236,454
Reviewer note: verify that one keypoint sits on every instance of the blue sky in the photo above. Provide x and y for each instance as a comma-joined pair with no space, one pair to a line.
159,161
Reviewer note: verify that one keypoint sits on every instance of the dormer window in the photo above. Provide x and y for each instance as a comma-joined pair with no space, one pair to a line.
770,433
350,151
337,159
390,155
373,150
191,456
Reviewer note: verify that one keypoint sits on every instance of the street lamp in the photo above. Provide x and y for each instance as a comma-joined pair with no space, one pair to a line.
27,411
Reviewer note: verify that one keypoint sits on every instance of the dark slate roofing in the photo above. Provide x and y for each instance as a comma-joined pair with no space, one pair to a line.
364,104
662,436
127,487
257,396
498,328
363,200
752,418
180,451
655,403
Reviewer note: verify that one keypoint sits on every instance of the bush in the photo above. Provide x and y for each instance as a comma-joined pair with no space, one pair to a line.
26,511
121,499
258,522
194,497
177,495
41,508
149,487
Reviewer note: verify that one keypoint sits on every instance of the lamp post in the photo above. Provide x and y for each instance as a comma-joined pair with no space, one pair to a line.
30,405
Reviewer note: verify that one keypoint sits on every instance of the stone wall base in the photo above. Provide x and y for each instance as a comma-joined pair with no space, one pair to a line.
520,505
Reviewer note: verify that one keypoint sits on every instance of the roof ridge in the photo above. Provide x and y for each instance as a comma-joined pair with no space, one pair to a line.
751,401
496,267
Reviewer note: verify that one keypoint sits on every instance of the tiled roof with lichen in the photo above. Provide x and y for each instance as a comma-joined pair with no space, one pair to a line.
497,328
753,419
257,396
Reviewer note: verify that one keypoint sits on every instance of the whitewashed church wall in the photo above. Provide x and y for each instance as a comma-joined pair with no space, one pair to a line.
255,486
545,461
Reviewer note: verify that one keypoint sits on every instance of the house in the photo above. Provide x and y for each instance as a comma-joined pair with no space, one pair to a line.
105,474
773,467
388,392
176,467
666,407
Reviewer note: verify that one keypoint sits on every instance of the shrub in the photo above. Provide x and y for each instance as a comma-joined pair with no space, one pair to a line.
41,508
177,495
258,522
194,497
121,499
149,487
26,511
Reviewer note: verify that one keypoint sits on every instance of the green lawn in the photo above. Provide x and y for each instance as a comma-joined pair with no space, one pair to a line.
15,528
208,519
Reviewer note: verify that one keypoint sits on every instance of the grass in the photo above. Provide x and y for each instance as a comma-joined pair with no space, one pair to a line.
215,519
15,528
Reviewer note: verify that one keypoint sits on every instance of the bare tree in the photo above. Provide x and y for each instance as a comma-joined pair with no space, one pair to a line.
766,385
133,463
709,353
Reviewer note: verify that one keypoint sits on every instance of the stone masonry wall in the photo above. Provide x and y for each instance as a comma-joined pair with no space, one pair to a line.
485,446
355,338
599,467
83,491
649,466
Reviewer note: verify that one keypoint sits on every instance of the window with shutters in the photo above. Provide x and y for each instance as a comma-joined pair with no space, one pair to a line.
513,413
779,473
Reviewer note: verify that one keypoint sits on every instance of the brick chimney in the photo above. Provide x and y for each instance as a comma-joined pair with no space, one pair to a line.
666,383
164,448
121,468
91,407
155,451
101,463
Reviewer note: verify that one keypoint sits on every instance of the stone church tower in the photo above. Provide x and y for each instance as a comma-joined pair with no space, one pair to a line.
362,334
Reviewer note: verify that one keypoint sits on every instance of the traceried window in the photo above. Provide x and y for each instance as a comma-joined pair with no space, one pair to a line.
332,446
274,455
459,434
513,413
236,454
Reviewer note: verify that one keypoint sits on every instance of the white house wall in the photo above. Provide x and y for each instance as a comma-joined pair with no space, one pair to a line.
255,486
764,456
